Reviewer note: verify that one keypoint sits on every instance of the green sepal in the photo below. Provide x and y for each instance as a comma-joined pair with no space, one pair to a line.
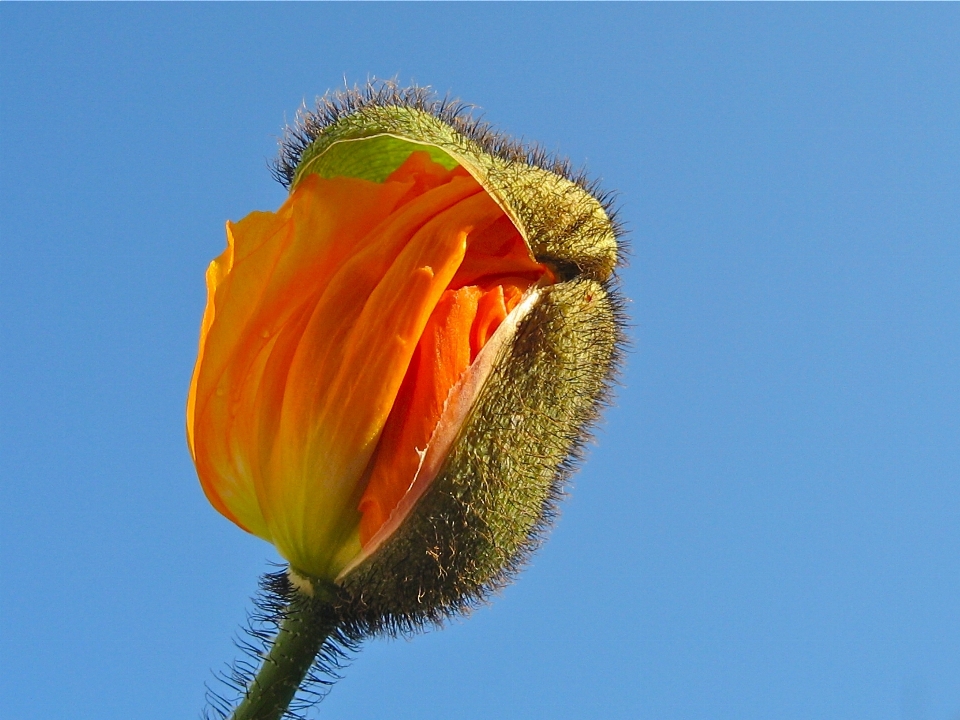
497,491
564,225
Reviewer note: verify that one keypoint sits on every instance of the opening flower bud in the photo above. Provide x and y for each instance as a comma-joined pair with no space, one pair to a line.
397,366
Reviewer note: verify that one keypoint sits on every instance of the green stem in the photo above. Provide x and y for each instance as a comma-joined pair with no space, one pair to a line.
294,649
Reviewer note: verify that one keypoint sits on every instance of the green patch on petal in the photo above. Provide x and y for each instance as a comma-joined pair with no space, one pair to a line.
370,158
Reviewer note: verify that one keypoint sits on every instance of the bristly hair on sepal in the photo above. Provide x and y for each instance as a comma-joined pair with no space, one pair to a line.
336,105
271,604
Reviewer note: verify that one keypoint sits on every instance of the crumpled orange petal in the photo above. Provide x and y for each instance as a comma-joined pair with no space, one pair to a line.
334,330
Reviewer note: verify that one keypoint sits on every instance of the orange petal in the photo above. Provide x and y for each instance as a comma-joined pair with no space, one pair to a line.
258,288
334,331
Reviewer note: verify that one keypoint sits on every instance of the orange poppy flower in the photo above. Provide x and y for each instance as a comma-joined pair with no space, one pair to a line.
340,351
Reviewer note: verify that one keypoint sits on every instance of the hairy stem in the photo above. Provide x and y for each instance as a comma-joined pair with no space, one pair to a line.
301,636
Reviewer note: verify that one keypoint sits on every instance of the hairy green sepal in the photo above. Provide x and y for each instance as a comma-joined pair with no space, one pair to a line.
561,221
485,511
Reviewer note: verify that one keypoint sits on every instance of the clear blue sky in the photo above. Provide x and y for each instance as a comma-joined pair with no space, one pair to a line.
769,525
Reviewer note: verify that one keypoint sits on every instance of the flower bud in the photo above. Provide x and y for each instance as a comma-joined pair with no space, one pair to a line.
397,368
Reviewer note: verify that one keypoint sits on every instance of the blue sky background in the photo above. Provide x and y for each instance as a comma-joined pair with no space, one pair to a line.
769,525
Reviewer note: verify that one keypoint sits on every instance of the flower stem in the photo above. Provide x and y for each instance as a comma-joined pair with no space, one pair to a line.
301,636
